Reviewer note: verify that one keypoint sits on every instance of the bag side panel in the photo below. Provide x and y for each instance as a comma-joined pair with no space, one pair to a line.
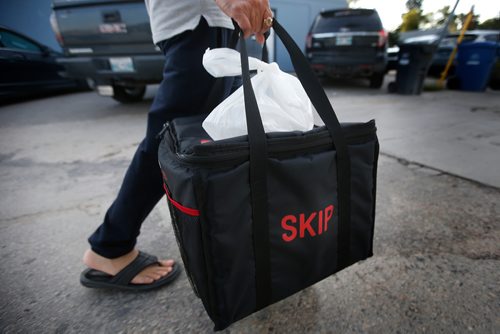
187,228
303,221
374,190
363,164
229,215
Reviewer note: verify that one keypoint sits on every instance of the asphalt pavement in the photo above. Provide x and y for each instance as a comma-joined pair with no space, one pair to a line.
436,267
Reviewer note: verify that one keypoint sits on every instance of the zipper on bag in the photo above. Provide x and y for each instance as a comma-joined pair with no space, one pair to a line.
161,134
232,153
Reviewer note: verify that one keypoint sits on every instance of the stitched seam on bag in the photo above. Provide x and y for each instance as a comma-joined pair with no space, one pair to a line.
213,299
374,176
179,206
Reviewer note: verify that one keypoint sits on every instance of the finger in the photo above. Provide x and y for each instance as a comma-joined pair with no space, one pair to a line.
266,23
260,38
256,21
244,24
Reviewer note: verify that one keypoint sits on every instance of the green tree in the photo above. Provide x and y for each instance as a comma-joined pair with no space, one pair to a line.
411,20
474,23
393,37
351,3
443,16
493,24
414,17
414,4
438,19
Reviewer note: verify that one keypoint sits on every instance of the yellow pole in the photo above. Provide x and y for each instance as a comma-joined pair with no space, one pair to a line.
468,20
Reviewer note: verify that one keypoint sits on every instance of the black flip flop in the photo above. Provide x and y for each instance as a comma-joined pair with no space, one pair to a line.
92,278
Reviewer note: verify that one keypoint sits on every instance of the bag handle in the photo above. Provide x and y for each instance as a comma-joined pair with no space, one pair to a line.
325,110
258,164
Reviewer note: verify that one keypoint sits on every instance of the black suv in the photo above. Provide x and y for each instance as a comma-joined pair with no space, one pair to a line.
348,43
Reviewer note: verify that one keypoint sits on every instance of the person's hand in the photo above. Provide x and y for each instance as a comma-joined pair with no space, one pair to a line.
251,15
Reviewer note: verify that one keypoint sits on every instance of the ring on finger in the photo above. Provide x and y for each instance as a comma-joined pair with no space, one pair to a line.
268,22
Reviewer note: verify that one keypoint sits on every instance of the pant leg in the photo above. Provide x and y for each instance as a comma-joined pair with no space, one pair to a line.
182,92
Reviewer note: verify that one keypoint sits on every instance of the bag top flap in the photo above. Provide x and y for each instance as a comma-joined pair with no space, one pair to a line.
190,137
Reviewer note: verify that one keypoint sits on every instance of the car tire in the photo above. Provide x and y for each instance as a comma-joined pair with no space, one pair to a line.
392,87
453,83
83,85
130,94
495,84
376,80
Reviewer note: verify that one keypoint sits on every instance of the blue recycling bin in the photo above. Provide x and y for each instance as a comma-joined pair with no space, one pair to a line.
475,63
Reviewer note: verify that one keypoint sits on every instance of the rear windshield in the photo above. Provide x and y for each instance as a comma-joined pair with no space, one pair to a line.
492,38
347,20
451,41
70,3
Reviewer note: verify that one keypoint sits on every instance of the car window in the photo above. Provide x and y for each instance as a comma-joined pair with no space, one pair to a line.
448,41
451,40
469,38
492,38
13,41
349,20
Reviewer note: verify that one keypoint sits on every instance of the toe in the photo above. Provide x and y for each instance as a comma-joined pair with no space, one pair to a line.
154,273
148,280
162,273
167,263
142,280
158,270
166,272
154,276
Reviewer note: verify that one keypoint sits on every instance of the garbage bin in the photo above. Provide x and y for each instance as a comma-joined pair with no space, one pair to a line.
475,64
413,63
495,74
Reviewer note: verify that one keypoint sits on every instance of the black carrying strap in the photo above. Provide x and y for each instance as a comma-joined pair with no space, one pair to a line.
265,51
258,186
258,165
320,101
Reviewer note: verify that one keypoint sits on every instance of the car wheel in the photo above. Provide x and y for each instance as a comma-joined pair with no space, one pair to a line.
495,84
125,94
392,87
376,80
453,83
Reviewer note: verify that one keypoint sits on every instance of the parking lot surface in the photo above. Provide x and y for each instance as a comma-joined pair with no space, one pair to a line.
437,237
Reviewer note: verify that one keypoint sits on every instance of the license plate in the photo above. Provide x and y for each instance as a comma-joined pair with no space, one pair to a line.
344,40
113,28
122,64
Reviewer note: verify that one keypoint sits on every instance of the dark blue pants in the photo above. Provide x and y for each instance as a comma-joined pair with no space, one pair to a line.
182,92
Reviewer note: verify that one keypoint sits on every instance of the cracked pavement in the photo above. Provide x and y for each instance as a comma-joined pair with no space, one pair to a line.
436,266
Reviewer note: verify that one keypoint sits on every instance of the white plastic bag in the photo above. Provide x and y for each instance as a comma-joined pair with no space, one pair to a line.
282,101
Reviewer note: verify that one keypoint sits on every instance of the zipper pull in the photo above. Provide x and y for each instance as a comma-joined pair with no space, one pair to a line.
159,136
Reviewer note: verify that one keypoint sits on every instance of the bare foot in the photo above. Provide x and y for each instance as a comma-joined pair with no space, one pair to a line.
114,266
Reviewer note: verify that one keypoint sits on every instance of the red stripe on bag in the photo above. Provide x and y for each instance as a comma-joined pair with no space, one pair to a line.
182,208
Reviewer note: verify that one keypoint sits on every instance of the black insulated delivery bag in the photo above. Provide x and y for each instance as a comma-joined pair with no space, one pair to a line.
263,216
